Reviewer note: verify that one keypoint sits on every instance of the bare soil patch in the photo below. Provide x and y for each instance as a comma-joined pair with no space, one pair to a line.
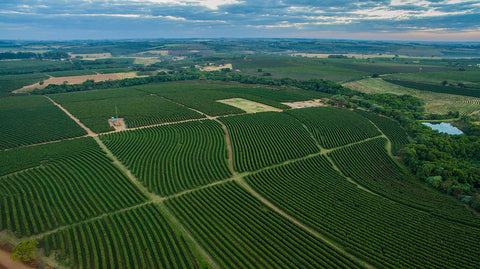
308,103
118,124
76,80
247,105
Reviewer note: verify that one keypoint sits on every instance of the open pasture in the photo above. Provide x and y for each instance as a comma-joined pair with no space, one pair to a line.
33,119
435,103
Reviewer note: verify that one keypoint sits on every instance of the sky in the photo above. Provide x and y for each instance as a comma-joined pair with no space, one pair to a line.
407,20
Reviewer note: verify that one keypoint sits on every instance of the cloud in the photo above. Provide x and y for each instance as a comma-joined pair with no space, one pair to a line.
235,18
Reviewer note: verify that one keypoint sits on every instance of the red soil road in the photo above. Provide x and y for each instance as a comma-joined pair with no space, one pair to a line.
7,263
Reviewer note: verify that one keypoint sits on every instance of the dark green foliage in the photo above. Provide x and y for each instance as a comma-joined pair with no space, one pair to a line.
33,119
370,165
137,238
172,158
240,232
333,127
383,233
263,139
10,83
138,108
391,128
443,88
63,192
26,157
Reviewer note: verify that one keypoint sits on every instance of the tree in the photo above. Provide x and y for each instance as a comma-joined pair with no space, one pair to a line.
444,83
25,250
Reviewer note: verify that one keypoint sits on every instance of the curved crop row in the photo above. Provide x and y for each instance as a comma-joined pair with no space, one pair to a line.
263,139
35,121
240,232
18,159
370,165
334,127
386,234
94,108
64,192
391,128
172,158
138,238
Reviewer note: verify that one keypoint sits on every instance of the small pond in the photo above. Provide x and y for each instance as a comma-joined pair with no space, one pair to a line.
444,127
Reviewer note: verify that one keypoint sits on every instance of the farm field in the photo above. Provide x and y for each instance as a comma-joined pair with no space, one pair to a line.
333,127
57,79
263,139
70,189
435,103
33,119
204,95
196,183
468,78
173,158
137,108
385,234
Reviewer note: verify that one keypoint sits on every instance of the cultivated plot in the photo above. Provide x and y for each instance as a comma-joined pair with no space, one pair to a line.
333,127
240,232
137,108
137,238
369,164
263,139
73,188
33,119
172,158
379,231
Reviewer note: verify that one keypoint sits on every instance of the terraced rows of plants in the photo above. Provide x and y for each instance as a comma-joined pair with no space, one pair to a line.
204,95
137,238
240,232
386,234
263,139
63,192
33,119
334,127
370,165
391,128
18,159
172,158
138,108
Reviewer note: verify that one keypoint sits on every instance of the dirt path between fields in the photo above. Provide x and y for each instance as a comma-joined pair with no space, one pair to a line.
320,236
89,132
153,198
7,263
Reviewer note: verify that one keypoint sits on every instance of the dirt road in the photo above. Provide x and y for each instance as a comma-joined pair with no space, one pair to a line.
6,262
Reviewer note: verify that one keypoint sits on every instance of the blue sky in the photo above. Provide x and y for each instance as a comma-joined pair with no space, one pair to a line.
437,20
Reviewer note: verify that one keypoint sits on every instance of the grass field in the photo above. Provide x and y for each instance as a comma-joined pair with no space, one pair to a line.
435,103
468,78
